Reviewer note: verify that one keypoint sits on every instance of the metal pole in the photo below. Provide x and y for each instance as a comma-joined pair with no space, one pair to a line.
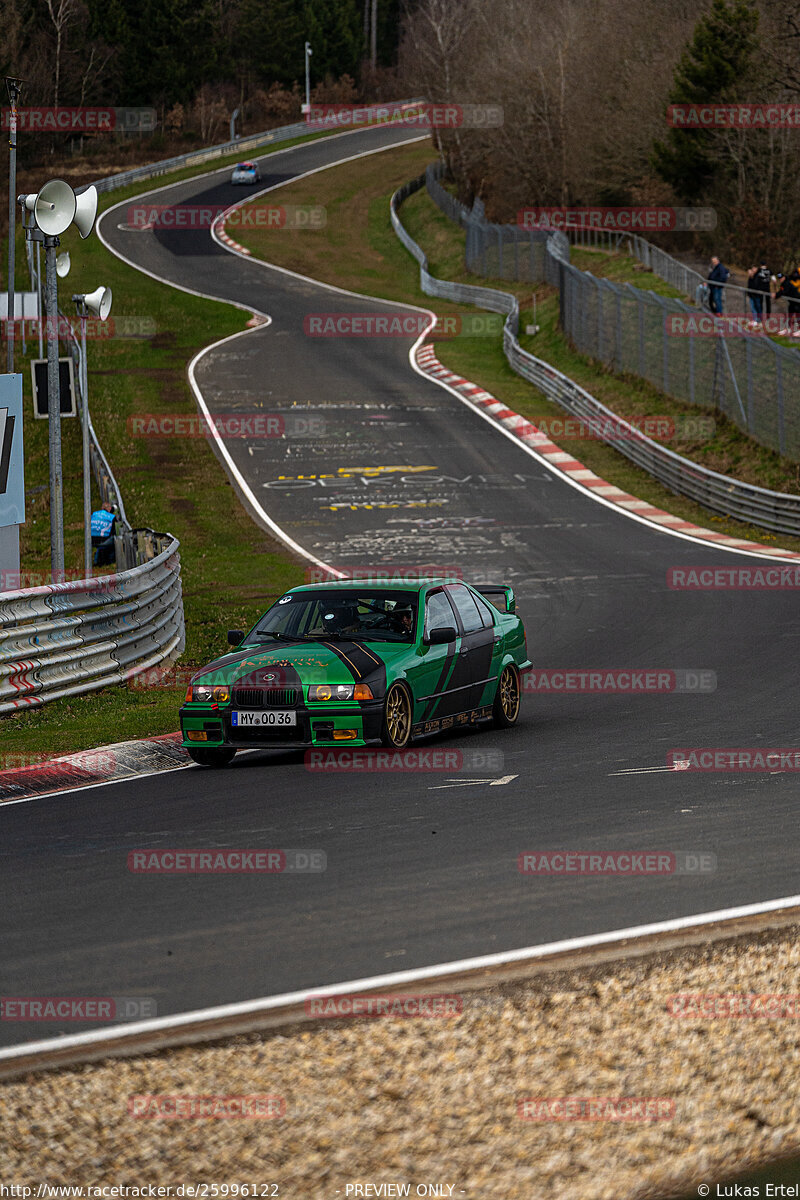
54,414
87,479
39,290
13,95
373,49
308,77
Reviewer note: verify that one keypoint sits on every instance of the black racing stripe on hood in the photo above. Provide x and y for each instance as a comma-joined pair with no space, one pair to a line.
360,662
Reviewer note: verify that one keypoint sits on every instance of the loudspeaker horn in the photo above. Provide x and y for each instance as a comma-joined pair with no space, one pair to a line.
86,210
54,207
99,301
63,264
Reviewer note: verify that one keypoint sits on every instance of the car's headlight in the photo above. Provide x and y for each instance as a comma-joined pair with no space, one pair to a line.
204,693
340,691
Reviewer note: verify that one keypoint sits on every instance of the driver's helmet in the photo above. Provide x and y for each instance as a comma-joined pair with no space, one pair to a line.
403,618
339,615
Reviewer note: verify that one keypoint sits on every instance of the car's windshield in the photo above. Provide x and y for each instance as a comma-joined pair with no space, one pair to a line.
244,167
364,613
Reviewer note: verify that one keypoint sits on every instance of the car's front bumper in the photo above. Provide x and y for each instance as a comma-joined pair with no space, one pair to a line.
315,727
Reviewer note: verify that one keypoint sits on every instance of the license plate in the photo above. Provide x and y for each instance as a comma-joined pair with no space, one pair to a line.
272,716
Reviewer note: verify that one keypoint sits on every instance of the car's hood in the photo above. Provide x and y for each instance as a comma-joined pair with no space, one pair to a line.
285,664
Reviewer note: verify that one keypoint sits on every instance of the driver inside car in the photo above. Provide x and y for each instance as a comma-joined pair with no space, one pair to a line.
403,619
341,619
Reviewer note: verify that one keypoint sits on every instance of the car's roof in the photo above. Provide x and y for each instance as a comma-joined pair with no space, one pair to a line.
389,585
248,165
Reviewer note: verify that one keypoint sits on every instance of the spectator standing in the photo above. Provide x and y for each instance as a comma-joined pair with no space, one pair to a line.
760,291
789,290
103,521
718,275
753,298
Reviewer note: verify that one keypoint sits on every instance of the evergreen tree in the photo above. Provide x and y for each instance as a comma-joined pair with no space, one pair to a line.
271,37
713,69
336,33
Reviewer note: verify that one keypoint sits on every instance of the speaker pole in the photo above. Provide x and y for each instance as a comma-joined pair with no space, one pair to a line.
14,89
87,477
51,242
39,299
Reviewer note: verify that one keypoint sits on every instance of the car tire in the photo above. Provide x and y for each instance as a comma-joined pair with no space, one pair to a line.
506,702
211,757
398,714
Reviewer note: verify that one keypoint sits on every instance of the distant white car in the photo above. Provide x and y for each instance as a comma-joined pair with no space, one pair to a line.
246,172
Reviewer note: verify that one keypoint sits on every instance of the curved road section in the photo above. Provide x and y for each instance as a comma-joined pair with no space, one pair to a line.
421,867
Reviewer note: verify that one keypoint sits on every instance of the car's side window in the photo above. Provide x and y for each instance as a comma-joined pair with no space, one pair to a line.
467,608
438,613
485,611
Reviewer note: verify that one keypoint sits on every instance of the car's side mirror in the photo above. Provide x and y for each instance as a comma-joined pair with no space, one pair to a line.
442,635
235,637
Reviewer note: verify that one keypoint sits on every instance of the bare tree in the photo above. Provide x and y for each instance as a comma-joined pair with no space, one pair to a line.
436,36
61,13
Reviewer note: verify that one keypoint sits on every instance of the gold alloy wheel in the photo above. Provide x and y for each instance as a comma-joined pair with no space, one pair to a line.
509,694
398,716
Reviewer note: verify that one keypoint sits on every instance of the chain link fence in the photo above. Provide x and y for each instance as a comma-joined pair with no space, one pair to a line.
682,350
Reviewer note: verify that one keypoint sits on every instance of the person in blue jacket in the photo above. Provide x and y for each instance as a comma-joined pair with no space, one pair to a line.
103,521
717,275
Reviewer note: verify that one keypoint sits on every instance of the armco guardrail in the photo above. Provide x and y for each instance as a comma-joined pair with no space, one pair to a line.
778,511
64,639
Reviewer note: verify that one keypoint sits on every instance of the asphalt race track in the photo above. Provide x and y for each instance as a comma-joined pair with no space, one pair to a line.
421,866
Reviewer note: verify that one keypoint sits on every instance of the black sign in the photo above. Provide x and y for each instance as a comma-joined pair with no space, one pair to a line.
6,438
66,377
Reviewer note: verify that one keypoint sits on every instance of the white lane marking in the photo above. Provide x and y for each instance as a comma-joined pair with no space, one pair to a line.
680,765
399,978
233,470
473,782
88,787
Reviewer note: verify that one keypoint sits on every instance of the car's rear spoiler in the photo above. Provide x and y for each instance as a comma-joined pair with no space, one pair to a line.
501,589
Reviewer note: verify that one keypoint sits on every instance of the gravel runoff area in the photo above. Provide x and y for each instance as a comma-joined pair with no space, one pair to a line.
435,1103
